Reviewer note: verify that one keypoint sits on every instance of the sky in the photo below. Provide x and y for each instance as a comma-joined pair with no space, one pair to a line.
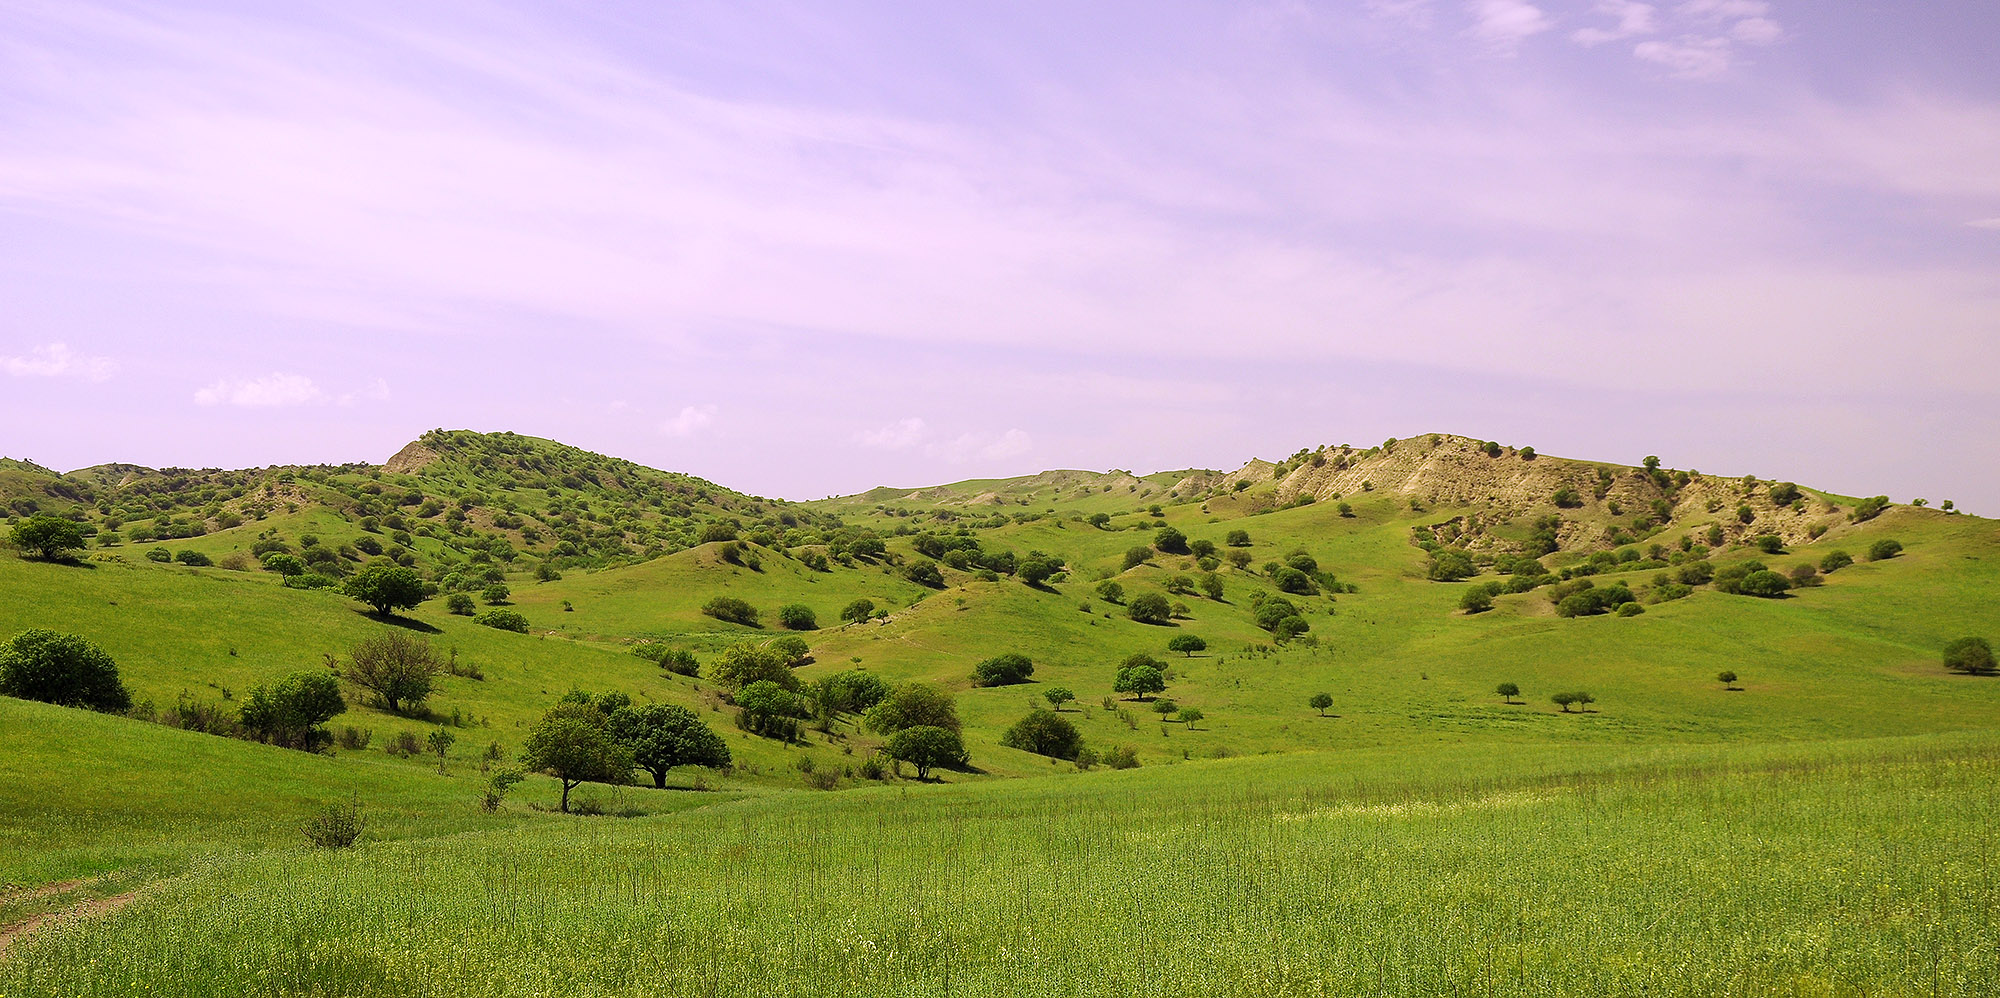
807,249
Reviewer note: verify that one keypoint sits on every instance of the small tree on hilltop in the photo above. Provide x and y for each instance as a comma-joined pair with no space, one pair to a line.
1320,702
1508,691
62,669
571,743
1972,656
1187,645
396,667
662,736
1057,696
386,587
1141,680
927,747
1564,700
1727,679
49,537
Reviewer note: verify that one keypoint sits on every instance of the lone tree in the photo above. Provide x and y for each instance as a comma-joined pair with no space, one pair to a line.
1476,600
1187,645
1057,696
858,611
798,617
927,747
1140,679
661,736
571,743
396,667
439,742
1003,670
1972,656
291,711
1151,608
386,587
1043,733
1320,702
1188,716
1237,538
1508,691
1564,700
61,669
1727,679
49,537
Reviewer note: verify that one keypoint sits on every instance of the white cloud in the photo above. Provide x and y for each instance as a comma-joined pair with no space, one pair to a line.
1416,13
1504,23
270,391
57,360
691,420
899,435
1688,58
1723,10
1010,444
1757,31
1985,223
1633,19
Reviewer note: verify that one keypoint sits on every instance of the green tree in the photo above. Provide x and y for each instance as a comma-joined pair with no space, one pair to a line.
913,705
732,610
1451,566
1508,691
1771,544
661,736
503,620
1170,541
572,742
61,669
386,587
1237,539
1057,696
1834,562
396,667
857,611
1211,585
1037,568
1884,549
1972,656
1187,645
1003,670
1238,559
284,564
798,617
1564,700
1476,600
49,537
851,692
1766,584
1189,715
1150,608
1110,591
1320,702
292,712
1134,557
459,604
496,593
927,747
1727,679
1044,733
1140,679
742,663
440,742
924,573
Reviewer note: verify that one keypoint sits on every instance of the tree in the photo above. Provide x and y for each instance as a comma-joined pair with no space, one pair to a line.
284,564
573,744
1584,700
1170,541
1884,549
1972,656
924,573
496,593
1771,544
1187,645
503,620
1151,608
1238,559
741,664
1727,679
1043,733
913,705
927,747
1784,494
1211,585
1141,680
292,711
62,669
1476,600
1237,539
1037,568
459,604
1057,696
857,611
1652,463
386,587
1110,591
1003,670
1165,707
439,742
1451,566
798,617
1565,701
396,667
1320,702
1189,715
1766,584
661,736
1134,557
49,537
732,610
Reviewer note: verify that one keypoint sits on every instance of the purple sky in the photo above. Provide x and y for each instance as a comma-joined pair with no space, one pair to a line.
808,249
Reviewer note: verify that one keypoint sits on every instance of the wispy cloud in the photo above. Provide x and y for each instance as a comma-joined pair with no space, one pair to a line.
914,434
899,435
1504,24
1629,18
57,360
1985,223
689,421
274,390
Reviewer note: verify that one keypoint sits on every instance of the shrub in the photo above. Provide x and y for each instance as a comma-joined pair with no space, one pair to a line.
1868,509
1630,609
1134,557
50,537
161,555
857,611
924,573
1003,670
741,664
1170,541
1044,733
1834,562
336,826
1972,656
1771,544
1451,566
193,559
505,620
927,747
1237,539
1110,591
1766,584
396,667
496,593
1476,600
1884,549
792,650
386,587
291,711
678,661
1291,580
913,705
1150,608
352,738
1784,494
460,604
1804,576
731,610
798,617
61,669
1121,757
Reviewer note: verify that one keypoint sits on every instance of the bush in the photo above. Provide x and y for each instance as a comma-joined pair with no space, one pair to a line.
1003,670
1834,562
1291,580
352,738
1122,757
1237,539
1170,541
857,611
1135,557
161,555
336,826
290,712
798,617
1476,600
1766,584
1771,544
678,661
1044,733
1868,509
1451,566
913,705
505,620
396,667
496,593
924,573
460,604
851,692
311,580
1110,591
51,537
927,747
1885,549
731,610
1972,656
62,669
193,559
1151,608
1630,609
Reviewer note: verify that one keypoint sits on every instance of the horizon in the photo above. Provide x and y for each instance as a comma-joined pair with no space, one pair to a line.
793,250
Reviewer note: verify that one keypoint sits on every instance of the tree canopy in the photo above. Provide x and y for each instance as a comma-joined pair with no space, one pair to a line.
61,669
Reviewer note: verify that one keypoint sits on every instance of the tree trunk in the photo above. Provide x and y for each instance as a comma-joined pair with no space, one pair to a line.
565,801
659,779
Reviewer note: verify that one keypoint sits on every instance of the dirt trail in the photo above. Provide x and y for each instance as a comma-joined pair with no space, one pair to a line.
10,934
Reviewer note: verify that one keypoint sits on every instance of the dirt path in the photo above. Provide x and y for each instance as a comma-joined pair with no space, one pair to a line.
10,934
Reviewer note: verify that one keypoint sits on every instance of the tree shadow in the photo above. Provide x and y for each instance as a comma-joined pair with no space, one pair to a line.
407,623
65,562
